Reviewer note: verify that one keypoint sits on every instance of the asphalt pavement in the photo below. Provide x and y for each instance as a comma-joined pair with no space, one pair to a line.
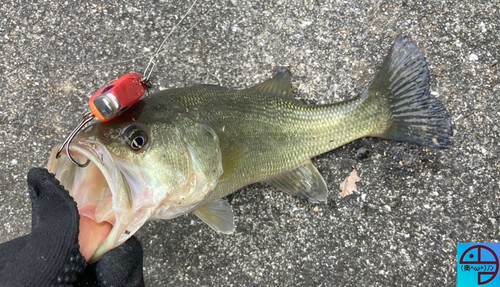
414,204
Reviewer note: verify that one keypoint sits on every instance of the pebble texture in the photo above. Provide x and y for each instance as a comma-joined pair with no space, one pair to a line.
414,204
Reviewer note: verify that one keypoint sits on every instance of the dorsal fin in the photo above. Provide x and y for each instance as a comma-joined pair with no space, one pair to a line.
280,85
304,181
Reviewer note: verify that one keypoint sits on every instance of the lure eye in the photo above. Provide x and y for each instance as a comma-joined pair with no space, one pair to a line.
135,137
107,105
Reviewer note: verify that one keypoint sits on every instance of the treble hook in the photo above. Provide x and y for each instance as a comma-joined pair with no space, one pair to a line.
87,117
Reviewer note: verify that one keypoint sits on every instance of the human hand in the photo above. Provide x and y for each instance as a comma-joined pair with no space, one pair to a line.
50,255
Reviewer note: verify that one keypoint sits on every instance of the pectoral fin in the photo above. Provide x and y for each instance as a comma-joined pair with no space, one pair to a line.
218,215
280,85
305,181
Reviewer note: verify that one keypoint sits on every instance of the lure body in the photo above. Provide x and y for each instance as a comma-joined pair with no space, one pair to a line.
116,97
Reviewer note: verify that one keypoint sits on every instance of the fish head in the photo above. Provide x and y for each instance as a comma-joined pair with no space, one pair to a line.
141,167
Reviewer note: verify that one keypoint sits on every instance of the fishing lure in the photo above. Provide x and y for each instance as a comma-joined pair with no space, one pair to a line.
108,103
116,97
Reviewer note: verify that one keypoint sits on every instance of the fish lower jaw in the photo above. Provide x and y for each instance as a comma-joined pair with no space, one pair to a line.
91,235
93,193
95,227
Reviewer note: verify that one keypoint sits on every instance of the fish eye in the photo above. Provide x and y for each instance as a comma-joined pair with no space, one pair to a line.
138,142
135,137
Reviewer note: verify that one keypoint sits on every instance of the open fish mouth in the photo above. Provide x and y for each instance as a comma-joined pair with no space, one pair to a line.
103,192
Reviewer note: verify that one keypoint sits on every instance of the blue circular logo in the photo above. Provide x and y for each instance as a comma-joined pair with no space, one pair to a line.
480,259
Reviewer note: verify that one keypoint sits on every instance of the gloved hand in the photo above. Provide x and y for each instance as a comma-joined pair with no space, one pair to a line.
50,256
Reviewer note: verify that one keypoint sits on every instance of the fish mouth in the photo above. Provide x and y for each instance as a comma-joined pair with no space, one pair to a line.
103,192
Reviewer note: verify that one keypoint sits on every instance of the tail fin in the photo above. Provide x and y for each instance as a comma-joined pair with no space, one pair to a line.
415,115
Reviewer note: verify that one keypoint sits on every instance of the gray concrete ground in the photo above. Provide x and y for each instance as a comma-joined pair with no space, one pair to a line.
414,204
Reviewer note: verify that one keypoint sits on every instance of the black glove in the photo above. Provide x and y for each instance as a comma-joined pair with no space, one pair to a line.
50,256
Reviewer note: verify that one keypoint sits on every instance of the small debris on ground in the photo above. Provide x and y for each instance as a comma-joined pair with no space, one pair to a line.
348,186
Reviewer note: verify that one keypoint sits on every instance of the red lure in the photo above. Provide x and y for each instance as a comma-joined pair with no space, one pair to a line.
116,97
108,103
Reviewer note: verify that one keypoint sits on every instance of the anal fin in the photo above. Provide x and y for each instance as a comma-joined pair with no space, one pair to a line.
218,215
304,181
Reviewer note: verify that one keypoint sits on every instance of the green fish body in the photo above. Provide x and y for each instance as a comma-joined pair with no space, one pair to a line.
200,144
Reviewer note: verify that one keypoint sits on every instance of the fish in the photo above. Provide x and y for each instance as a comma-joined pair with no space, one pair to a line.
183,150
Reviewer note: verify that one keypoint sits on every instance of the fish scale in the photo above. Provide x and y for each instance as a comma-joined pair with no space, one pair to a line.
275,134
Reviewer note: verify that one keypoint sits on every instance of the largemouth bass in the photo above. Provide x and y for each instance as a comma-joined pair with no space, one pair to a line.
183,150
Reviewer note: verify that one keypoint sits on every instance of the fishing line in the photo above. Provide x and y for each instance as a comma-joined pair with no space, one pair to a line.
152,60
158,51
